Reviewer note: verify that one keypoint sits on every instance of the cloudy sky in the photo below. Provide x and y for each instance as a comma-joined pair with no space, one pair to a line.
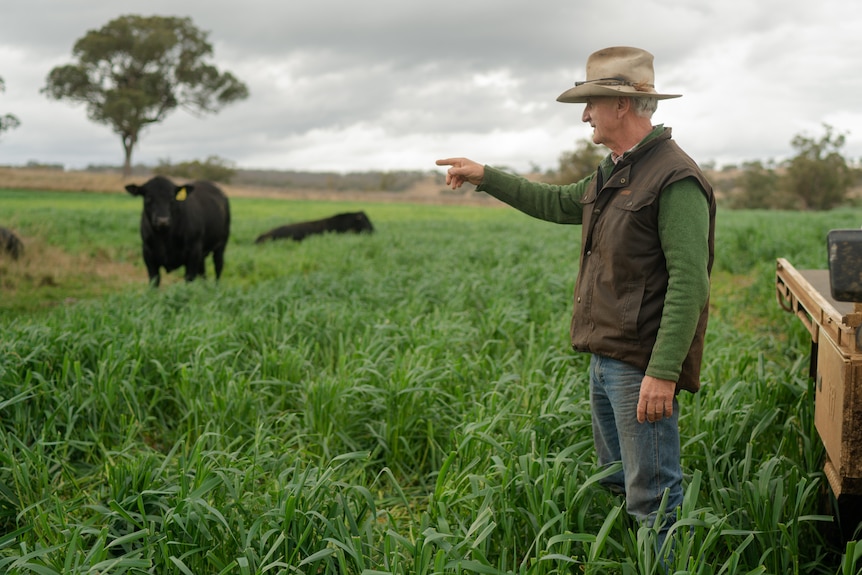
344,85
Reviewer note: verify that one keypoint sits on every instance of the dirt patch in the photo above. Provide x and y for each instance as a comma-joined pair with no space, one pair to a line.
47,276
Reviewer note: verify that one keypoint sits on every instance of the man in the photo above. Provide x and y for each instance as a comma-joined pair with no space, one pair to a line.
642,291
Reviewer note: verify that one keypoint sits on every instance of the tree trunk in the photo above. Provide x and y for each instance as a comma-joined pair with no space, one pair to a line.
128,145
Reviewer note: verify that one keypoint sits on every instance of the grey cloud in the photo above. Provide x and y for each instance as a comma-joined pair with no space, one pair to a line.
428,74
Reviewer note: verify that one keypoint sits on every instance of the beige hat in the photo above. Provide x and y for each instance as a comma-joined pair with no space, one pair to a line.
617,71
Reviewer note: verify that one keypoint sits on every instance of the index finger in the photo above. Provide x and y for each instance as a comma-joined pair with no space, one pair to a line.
449,162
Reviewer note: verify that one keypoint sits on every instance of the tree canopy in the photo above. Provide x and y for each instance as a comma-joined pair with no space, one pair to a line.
819,175
8,121
580,163
136,70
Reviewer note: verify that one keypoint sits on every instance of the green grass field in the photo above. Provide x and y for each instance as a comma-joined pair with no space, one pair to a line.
403,402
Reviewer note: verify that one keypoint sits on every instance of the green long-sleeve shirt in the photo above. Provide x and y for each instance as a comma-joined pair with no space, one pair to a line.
683,232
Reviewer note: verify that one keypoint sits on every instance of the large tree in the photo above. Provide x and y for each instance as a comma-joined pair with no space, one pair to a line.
8,121
136,70
819,176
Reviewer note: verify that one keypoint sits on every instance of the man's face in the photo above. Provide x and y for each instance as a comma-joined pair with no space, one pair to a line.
600,113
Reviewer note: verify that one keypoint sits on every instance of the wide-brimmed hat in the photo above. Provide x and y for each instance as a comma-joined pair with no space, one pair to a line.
616,71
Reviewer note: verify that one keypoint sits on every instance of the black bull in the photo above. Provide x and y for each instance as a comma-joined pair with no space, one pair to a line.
181,226
340,223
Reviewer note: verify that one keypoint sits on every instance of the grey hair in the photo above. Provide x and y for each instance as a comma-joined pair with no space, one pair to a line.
645,107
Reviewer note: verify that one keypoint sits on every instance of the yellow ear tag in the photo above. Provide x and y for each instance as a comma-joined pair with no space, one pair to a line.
181,194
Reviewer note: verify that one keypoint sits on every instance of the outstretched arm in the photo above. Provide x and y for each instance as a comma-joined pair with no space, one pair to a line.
462,170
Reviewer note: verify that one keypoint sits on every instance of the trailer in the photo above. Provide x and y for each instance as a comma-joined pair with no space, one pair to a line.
836,369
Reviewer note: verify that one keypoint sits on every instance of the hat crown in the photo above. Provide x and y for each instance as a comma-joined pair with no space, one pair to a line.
622,63
616,71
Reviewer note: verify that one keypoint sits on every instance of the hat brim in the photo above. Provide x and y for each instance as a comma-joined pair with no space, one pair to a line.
580,94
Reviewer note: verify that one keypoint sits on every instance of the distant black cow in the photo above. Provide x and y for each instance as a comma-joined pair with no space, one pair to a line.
182,225
348,222
10,243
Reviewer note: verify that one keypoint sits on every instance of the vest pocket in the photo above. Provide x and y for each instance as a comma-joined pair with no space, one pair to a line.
629,306
631,201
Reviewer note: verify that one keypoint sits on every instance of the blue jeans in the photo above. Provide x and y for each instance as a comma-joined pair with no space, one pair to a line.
649,452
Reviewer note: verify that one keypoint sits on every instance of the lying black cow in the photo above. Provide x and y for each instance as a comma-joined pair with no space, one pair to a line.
182,225
340,223
10,243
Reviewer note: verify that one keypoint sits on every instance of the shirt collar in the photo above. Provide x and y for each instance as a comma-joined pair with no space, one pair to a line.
656,130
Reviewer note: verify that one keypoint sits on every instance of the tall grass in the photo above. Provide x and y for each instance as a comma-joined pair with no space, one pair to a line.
404,402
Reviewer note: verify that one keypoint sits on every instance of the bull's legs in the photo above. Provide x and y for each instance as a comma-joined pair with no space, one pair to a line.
218,260
194,264
192,271
196,260
152,268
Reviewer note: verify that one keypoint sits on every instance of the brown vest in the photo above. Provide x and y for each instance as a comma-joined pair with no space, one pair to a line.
622,280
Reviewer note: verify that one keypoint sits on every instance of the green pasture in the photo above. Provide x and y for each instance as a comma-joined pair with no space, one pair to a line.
403,402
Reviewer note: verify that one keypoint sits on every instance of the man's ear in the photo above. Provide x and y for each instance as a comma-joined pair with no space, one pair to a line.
624,104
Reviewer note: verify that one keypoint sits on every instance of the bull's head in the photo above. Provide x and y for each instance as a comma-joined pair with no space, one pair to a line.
160,197
362,223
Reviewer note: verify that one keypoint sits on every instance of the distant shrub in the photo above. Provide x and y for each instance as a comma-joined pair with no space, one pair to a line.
578,164
37,165
759,189
213,168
